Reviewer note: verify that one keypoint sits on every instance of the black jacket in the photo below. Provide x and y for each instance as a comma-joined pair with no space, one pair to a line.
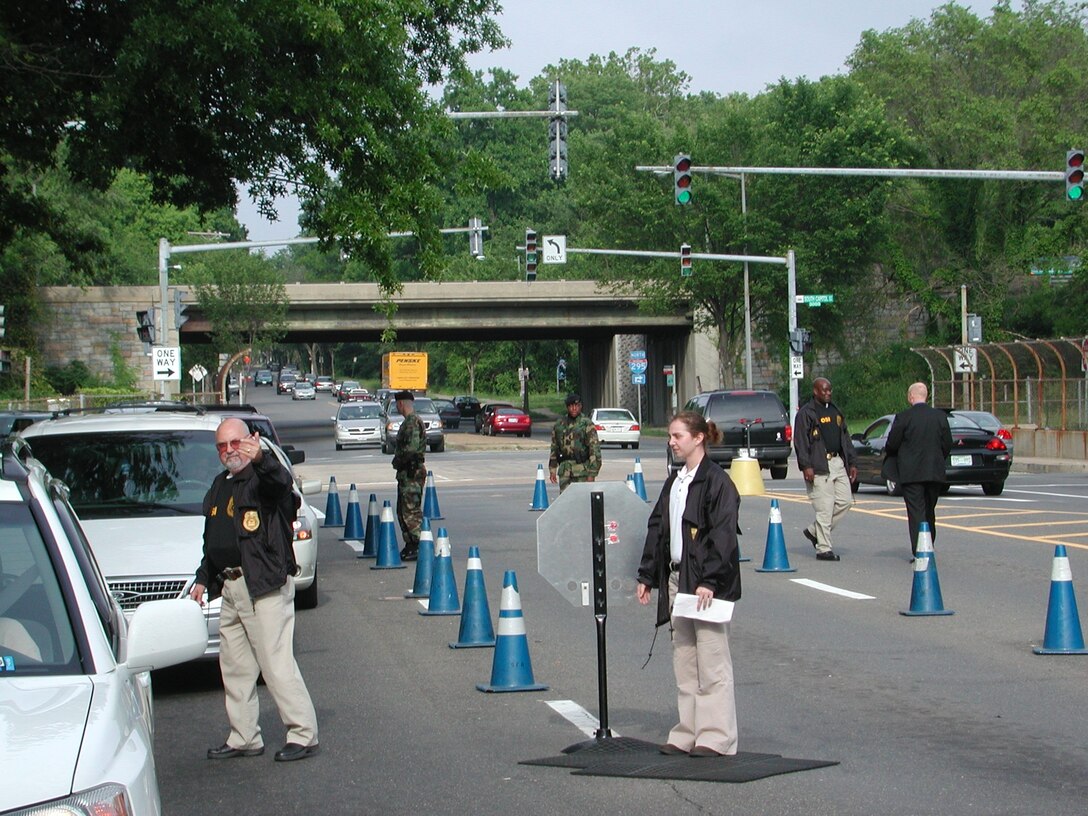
711,557
264,512
808,440
920,440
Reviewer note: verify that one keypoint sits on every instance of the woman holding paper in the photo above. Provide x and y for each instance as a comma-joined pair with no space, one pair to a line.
691,550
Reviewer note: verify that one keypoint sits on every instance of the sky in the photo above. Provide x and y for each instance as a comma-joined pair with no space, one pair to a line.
724,46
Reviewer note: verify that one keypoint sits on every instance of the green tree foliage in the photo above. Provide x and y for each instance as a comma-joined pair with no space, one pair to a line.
243,298
279,95
997,93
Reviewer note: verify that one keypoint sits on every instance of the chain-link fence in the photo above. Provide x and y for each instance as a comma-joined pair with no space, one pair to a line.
1025,383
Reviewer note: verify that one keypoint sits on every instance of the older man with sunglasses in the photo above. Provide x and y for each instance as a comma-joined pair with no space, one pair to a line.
249,560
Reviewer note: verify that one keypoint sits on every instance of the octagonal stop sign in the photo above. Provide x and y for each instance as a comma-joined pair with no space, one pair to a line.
564,542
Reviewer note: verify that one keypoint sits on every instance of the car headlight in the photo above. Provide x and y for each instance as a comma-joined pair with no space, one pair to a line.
105,800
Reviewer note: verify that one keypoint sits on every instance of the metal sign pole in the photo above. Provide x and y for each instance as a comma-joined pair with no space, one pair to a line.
600,607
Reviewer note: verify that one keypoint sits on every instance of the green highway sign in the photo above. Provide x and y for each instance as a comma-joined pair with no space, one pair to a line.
814,300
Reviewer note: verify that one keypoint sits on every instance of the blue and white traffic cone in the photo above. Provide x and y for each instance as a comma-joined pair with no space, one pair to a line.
443,599
540,492
421,587
388,552
476,629
925,592
631,483
1063,633
775,558
333,516
430,499
511,669
353,529
640,480
373,529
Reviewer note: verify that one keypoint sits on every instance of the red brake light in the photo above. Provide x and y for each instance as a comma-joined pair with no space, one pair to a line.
996,444
598,427
789,434
635,427
1004,433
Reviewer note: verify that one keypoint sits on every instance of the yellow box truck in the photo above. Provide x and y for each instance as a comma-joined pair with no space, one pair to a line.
405,370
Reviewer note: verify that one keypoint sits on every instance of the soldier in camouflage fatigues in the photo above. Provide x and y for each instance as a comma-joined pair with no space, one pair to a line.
576,451
408,461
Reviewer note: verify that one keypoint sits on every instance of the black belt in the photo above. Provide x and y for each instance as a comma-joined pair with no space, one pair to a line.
674,566
230,574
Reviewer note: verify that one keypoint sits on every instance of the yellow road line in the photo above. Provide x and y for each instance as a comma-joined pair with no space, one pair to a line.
943,520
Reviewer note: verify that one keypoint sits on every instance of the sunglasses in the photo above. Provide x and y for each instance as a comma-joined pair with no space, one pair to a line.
233,444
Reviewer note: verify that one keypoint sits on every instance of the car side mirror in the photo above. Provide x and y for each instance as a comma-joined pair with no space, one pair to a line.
296,457
860,437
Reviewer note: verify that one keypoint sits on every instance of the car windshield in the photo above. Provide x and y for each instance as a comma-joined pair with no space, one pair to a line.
959,421
360,412
510,411
36,634
987,421
736,407
614,415
123,474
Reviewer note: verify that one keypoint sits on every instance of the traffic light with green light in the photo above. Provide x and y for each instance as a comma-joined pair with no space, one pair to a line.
1074,175
681,179
530,255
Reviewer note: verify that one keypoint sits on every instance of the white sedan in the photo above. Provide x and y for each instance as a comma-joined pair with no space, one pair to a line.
616,426
75,702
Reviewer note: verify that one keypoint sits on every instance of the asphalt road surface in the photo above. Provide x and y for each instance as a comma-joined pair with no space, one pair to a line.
927,715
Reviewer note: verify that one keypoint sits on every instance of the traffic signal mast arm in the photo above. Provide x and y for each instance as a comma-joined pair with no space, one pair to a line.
888,172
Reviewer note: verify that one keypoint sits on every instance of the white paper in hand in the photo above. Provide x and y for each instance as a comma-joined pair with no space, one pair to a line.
686,606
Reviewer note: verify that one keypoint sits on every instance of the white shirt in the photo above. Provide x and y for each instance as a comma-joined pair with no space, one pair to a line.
678,499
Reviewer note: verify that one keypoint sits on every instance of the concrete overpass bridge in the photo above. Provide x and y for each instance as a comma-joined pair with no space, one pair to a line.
88,324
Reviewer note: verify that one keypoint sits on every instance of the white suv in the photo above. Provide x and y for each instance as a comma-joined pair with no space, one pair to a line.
138,482
75,687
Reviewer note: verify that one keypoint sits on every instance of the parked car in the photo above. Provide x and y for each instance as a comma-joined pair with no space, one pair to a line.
978,456
432,422
359,395
254,420
467,405
75,693
451,416
358,423
263,377
756,420
616,426
990,423
138,483
345,387
482,418
304,390
11,422
323,383
286,383
508,421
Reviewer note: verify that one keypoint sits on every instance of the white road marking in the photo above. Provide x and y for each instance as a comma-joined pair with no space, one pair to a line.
1043,493
577,716
846,593
356,545
989,499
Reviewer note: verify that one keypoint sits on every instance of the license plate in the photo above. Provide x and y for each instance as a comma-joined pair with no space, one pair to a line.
961,461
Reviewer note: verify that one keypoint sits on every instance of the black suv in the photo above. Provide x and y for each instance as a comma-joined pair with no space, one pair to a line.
733,411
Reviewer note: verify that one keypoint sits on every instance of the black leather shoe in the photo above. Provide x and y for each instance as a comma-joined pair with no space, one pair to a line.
227,752
292,751
809,536
827,556
409,555
668,749
701,752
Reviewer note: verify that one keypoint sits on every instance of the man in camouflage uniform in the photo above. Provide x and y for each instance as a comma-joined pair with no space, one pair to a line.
408,459
576,451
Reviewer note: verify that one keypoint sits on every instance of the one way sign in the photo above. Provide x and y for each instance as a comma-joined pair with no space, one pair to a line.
167,363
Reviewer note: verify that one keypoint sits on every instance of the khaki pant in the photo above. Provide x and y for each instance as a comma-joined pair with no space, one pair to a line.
256,637
831,498
703,666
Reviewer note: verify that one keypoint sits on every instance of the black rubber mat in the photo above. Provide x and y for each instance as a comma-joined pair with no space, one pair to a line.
633,758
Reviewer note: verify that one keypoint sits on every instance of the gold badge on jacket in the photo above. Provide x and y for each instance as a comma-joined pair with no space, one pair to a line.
251,520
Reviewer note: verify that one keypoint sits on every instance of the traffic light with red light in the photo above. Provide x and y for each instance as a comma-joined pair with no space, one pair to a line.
685,260
530,255
1074,175
681,179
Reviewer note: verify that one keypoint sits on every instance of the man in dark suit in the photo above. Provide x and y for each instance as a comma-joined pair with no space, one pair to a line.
920,440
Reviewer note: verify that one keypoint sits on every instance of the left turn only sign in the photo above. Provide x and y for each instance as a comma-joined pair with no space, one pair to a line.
167,363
